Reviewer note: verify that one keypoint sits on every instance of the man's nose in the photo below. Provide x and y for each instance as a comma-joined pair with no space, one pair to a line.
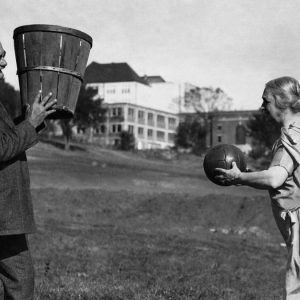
3,63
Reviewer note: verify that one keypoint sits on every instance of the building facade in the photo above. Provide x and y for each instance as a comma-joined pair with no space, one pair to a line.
146,107
151,128
226,127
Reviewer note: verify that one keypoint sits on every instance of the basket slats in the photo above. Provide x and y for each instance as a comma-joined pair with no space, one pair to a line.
52,59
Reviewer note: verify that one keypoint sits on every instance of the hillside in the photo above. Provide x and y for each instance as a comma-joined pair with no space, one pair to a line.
120,226
99,168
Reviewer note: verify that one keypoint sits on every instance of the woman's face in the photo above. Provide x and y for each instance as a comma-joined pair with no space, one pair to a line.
269,106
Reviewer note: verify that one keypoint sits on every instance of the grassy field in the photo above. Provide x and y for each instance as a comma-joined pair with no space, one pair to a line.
119,226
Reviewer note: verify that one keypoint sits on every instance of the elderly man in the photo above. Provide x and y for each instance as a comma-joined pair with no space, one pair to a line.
16,213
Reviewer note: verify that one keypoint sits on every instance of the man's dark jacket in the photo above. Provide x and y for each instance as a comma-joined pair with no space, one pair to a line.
16,212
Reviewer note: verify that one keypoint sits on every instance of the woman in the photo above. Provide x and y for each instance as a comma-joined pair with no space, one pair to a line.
281,99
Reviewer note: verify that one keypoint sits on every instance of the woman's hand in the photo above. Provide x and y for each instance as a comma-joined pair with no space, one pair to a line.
229,177
40,109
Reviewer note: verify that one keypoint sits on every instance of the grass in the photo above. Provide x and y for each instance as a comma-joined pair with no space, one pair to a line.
113,225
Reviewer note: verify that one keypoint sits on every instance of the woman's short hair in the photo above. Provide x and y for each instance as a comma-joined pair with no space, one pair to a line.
286,92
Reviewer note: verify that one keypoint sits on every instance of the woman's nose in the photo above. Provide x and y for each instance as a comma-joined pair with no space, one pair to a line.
264,105
263,109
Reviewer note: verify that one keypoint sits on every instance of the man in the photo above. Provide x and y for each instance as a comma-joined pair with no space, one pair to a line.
16,213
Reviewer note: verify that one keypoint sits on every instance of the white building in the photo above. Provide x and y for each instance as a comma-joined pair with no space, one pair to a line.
148,107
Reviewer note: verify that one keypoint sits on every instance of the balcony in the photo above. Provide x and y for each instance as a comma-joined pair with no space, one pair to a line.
116,119
161,124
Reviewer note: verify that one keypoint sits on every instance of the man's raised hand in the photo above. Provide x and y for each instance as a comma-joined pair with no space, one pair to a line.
40,109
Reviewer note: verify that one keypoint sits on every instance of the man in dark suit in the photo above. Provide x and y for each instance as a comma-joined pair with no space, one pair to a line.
16,212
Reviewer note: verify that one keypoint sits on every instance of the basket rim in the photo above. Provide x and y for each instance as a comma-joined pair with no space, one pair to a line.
53,28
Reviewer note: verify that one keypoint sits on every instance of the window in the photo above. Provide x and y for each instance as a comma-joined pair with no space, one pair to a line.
117,111
126,91
219,138
141,132
219,127
160,135
150,119
103,129
116,128
120,111
150,133
141,119
131,114
172,123
130,128
160,121
111,91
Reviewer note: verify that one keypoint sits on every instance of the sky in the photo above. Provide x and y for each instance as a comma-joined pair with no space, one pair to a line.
236,45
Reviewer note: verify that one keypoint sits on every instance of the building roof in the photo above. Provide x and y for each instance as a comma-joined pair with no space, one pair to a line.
112,72
153,79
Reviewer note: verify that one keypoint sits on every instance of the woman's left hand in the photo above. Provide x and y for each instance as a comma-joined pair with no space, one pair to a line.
229,177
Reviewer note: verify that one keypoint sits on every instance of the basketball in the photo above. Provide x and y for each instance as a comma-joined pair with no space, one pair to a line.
222,156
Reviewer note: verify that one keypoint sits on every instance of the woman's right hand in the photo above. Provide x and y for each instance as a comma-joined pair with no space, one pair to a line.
230,176
40,109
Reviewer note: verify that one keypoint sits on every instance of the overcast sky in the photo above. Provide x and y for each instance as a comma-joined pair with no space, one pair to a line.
237,45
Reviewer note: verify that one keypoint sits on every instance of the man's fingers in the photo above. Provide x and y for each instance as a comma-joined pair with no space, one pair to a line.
38,97
46,99
43,101
48,112
27,108
50,104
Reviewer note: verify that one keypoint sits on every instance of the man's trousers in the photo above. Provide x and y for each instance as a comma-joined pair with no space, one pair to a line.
16,268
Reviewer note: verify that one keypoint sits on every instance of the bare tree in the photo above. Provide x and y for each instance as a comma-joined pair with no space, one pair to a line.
202,101
208,99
